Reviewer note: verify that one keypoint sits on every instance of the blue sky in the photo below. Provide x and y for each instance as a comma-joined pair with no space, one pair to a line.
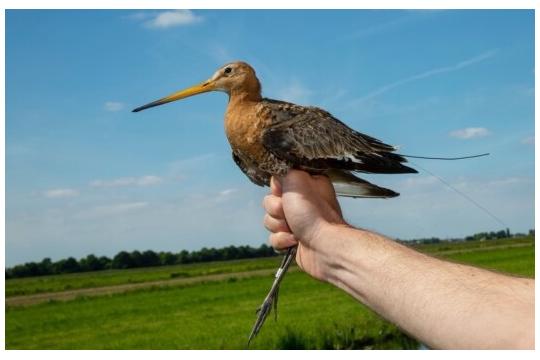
85,175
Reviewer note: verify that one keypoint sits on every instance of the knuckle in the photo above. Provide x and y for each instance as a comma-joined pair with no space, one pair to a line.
272,207
285,240
275,208
274,225
267,222
274,240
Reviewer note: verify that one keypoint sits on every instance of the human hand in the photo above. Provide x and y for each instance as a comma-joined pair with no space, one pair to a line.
298,209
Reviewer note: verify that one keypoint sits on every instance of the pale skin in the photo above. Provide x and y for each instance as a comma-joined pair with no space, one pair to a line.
442,304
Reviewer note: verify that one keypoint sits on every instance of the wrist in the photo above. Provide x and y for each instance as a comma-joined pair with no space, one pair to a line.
349,254
332,242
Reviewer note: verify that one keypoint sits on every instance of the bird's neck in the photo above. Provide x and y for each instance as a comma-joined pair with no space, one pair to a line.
242,96
241,102
248,91
241,114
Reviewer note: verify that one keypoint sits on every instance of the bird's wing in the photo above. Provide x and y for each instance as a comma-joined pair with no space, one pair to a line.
310,137
254,174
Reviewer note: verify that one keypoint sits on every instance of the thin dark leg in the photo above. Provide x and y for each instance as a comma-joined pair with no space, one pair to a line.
272,297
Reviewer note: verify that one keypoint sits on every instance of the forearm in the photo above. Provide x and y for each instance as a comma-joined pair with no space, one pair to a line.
444,305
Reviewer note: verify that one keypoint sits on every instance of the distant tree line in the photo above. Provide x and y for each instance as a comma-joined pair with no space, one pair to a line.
148,258
492,235
136,259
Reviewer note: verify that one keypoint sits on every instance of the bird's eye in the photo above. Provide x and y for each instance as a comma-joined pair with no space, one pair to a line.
227,70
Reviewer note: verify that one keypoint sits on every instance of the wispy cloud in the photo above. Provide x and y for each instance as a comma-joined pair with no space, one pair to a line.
220,53
179,169
114,106
166,19
420,181
227,192
147,180
509,181
295,91
426,74
529,140
112,209
470,133
60,193
407,17
225,195
138,16
381,27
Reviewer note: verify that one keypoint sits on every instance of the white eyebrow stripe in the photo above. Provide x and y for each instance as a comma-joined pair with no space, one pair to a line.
216,75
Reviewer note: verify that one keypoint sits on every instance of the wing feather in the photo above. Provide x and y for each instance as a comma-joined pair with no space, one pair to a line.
313,138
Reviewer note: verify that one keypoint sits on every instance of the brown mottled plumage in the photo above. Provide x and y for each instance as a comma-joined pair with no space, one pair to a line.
268,137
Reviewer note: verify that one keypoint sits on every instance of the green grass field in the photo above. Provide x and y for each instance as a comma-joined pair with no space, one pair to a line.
36,285
219,314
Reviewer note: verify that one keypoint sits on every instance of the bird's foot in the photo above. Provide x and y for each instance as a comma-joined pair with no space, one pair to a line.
272,297
262,313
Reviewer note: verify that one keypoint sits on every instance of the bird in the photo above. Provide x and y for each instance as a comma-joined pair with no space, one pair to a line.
268,137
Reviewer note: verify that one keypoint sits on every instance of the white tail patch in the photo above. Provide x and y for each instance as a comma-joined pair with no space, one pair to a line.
351,190
346,184
360,191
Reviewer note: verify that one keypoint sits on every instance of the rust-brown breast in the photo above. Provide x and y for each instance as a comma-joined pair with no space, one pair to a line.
244,128
245,123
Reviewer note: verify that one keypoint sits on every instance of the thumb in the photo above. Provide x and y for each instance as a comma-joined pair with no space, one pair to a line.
275,186
296,181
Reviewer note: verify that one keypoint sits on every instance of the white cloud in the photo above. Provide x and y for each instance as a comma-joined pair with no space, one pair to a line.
179,169
227,192
445,69
220,53
60,193
381,27
147,180
509,181
225,195
295,92
111,209
138,16
409,17
420,181
114,106
470,133
171,18
122,207
475,186
529,140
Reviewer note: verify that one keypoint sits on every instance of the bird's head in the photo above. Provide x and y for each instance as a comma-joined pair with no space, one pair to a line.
236,78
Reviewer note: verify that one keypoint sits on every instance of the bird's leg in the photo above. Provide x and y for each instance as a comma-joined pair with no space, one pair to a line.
272,297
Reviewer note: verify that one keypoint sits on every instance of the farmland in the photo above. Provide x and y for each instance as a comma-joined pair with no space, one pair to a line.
211,306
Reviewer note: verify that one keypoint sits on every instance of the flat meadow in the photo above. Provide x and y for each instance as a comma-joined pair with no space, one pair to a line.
215,309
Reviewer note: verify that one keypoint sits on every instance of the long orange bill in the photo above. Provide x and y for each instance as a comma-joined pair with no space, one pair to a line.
194,90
